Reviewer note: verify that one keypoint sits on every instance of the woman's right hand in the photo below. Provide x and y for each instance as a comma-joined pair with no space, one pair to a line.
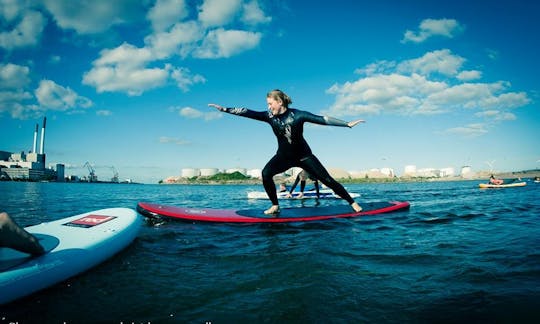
218,107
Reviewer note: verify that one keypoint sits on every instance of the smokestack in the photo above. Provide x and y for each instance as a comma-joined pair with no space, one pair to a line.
43,135
34,148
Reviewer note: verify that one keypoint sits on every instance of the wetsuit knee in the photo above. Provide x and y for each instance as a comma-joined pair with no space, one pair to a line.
267,173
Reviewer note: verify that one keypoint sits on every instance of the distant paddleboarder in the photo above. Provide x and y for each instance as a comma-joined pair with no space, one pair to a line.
302,177
293,150
495,181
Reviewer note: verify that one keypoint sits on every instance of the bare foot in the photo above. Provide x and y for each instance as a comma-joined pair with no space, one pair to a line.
15,237
356,207
272,210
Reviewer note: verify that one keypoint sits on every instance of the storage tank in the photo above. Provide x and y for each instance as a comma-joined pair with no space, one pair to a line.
255,173
466,172
410,170
208,172
190,173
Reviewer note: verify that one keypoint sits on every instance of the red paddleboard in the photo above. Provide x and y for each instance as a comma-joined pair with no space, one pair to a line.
302,214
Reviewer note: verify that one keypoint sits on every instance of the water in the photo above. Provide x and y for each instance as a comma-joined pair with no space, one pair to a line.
461,254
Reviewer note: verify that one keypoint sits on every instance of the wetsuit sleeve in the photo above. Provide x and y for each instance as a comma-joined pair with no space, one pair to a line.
244,112
324,120
335,122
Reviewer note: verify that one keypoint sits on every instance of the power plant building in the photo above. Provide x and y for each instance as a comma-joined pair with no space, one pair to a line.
30,166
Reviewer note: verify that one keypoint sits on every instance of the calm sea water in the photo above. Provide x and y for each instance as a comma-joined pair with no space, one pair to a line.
461,254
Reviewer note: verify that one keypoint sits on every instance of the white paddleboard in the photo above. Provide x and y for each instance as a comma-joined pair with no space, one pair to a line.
309,194
74,245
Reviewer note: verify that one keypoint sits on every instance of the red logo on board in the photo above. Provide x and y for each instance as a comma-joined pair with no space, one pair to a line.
90,221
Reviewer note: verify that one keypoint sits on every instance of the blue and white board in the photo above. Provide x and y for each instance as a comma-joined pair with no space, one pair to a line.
309,194
73,244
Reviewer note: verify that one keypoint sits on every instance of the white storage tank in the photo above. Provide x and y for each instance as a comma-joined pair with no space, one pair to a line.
190,173
255,173
208,172
410,170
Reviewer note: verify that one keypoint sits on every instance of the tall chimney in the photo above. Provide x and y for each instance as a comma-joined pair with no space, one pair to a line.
34,148
43,135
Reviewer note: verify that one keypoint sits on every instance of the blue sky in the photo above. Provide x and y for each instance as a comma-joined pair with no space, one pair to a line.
126,83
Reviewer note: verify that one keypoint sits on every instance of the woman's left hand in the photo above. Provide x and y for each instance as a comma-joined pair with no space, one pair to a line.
355,122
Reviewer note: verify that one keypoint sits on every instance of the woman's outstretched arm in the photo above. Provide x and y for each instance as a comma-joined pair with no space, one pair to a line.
338,122
244,112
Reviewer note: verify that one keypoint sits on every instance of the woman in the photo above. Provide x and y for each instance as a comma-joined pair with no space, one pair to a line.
293,150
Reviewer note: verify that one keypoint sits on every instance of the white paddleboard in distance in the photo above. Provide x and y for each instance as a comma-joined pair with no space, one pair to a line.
74,245
309,194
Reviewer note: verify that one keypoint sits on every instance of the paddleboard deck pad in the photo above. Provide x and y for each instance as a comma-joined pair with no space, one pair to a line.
303,214
72,244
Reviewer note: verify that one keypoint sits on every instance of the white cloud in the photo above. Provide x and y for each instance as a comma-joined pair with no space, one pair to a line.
26,25
433,27
52,96
253,14
133,80
125,55
492,54
125,69
226,43
189,112
496,115
172,140
15,98
55,59
393,93
214,13
10,9
131,69
440,61
96,16
184,79
166,13
13,76
181,39
469,75
104,112
471,130
432,84
193,113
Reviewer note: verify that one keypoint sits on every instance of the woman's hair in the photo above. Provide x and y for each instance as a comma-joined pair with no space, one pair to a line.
278,94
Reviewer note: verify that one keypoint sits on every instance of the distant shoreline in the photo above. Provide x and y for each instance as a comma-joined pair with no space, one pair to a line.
529,174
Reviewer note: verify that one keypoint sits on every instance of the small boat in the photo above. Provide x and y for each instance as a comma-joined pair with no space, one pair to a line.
507,185
309,194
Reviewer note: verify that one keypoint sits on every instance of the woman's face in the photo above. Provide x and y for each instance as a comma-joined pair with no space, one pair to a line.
275,106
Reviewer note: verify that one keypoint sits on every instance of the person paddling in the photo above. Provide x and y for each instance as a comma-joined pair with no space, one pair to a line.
293,150
302,177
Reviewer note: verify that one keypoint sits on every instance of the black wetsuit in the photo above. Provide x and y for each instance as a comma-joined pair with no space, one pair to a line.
293,149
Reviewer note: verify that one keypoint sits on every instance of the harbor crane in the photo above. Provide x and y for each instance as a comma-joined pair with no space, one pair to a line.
115,175
92,177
